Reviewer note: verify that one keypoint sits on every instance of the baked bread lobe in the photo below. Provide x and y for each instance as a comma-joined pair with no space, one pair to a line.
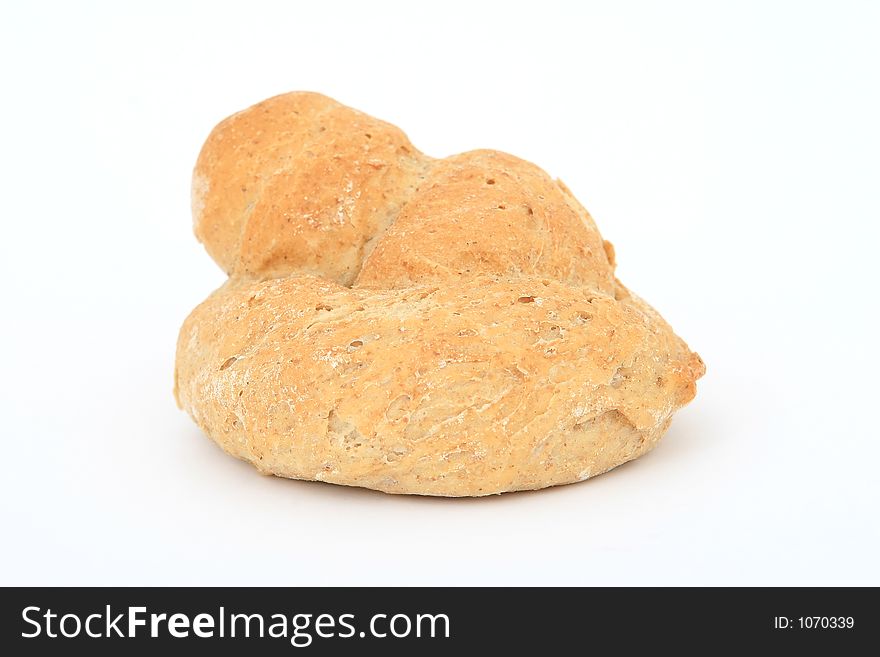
440,327
300,183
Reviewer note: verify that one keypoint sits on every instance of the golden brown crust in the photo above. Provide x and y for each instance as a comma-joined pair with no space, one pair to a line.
441,327
486,211
467,388
300,183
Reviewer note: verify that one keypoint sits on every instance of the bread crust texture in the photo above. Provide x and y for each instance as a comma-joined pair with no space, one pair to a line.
447,327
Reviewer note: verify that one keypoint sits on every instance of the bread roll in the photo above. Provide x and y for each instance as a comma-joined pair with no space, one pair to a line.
438,327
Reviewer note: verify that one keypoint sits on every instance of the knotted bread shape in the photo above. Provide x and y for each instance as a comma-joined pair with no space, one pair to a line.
409,324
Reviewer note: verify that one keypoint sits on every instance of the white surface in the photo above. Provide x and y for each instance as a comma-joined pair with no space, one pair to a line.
730,152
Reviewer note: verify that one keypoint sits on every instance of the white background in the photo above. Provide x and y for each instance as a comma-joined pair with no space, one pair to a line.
729,150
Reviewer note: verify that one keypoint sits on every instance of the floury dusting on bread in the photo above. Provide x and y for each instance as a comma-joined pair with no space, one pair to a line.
409,324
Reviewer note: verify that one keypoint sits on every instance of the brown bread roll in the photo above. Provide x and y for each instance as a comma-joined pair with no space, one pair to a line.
440,327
